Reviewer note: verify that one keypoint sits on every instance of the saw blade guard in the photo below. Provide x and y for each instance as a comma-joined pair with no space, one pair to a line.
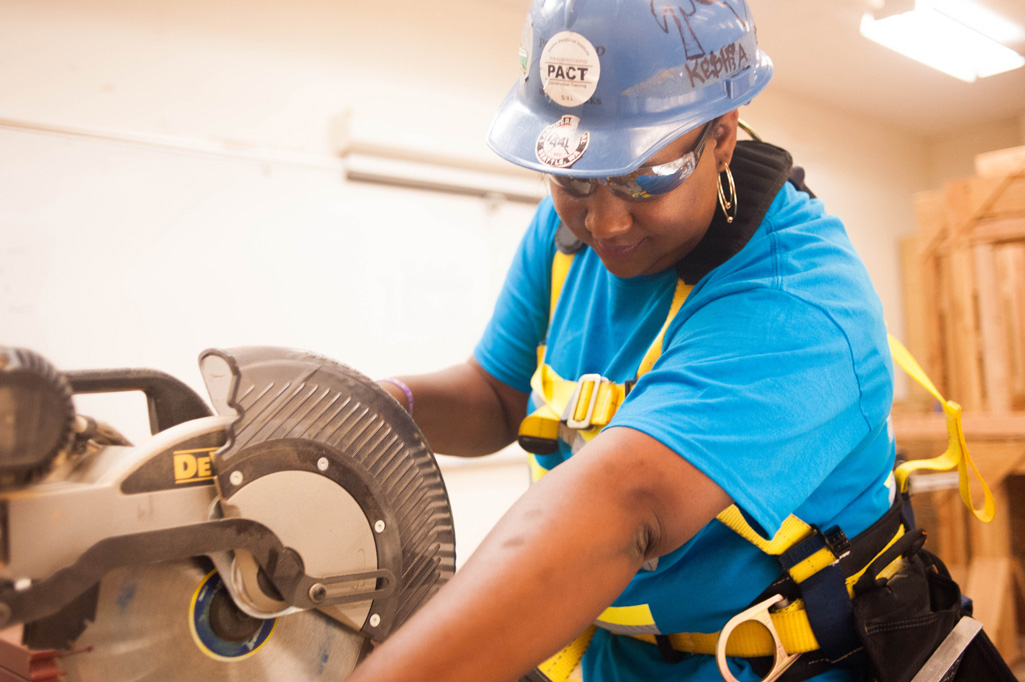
328,461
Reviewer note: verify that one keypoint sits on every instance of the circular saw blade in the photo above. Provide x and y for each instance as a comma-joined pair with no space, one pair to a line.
145,629
293,408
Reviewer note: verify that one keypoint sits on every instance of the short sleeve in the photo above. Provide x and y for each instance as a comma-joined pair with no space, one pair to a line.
508,348
759,391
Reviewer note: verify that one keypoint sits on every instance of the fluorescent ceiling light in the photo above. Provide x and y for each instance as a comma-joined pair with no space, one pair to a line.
982,19
929,35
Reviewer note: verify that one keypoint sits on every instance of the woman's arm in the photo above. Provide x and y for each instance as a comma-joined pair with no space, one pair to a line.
556,560
463,410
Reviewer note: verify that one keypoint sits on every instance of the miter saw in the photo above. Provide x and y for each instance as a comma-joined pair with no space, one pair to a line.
275,537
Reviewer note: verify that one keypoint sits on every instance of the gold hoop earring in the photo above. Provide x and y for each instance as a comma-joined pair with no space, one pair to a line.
729,208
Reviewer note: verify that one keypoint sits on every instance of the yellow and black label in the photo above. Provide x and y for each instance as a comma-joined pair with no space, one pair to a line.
185,463
193,465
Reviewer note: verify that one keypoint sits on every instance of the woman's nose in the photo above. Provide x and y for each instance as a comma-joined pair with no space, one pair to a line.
607,214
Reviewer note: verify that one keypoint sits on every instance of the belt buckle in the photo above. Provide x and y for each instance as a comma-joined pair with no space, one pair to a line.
758,613
571,407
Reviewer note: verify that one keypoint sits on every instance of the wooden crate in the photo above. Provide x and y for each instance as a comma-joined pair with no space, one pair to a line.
964,296
964,277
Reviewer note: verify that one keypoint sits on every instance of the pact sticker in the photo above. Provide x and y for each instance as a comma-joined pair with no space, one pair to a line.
569,69
560,145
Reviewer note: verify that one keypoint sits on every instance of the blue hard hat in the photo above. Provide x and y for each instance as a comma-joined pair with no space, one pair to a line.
607,83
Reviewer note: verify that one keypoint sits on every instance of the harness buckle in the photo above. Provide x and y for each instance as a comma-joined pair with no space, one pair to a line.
595,382
837,542
759,613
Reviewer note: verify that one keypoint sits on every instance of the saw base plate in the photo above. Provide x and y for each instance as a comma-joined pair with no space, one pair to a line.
153,624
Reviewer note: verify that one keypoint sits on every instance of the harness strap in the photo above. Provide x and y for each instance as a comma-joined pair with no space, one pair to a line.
792,623
750,639
560,269
821,572
679,296
559,667
580,408
816,571
789,534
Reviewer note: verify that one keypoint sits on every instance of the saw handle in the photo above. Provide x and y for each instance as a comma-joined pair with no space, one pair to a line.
170,401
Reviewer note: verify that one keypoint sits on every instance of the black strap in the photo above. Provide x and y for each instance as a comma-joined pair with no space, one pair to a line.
666,650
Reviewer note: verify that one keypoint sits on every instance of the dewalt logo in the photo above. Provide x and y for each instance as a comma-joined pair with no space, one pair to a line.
193,465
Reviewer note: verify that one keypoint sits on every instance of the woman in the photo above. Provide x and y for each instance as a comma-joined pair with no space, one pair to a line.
724,324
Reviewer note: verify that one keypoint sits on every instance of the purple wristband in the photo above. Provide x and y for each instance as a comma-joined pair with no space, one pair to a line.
405,389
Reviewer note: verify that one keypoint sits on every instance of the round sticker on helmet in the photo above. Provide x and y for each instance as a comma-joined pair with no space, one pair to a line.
569,69
560,144
526,43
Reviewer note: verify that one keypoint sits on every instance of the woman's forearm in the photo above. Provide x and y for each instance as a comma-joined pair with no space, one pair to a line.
560,555
462,410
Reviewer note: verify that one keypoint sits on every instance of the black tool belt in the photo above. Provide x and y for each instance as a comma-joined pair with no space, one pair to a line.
891,626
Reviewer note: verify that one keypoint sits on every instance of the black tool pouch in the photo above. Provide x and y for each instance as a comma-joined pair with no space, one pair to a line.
903,619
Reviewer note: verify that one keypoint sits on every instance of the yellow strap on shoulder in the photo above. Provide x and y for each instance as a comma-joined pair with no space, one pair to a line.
956,454
559,667
655,351
560,269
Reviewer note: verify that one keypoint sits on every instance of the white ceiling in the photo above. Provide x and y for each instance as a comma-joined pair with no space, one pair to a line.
819,54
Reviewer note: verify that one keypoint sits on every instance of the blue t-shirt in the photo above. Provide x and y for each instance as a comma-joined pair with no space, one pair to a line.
775,380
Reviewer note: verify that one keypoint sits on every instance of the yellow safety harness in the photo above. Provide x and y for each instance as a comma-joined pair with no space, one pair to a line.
585,406
576,411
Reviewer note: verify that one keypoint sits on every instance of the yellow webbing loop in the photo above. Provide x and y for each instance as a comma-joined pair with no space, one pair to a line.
558,667
792,531
956,454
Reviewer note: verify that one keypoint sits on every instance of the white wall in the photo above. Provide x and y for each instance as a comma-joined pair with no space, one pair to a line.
952,156
169,182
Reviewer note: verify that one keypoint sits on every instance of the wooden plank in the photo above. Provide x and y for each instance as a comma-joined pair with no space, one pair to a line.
990,587
953,521
919,315
942,515
993,333
1000,162
998,230
962,204
968,200
977,426
996,197
930,219
942,346
1011,276
963,358
992,539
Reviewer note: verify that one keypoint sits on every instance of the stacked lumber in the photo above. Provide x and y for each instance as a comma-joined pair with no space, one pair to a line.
964,294
964,277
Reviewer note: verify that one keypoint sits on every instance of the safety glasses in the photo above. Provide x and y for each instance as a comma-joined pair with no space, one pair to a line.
647,182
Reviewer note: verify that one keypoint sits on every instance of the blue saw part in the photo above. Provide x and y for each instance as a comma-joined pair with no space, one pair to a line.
213,640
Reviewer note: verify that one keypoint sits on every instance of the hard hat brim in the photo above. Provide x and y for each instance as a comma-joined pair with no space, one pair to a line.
613,147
